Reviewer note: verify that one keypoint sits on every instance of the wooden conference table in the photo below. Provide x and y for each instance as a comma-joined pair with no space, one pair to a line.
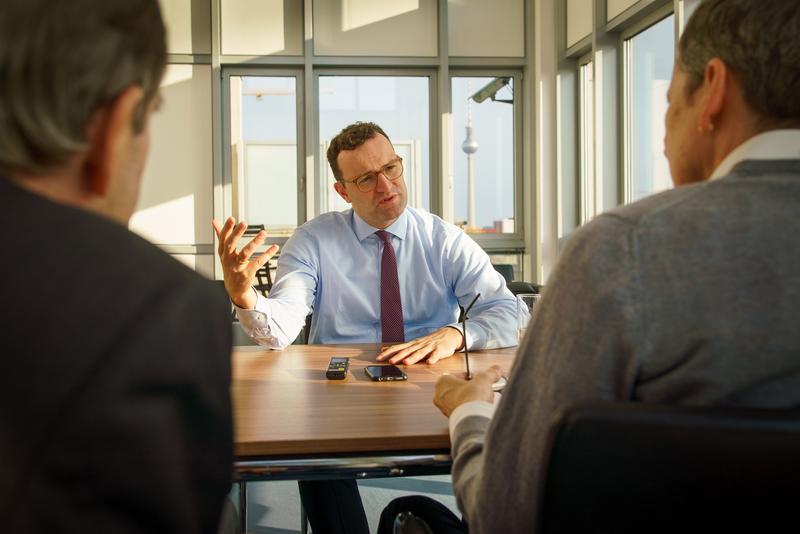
293,423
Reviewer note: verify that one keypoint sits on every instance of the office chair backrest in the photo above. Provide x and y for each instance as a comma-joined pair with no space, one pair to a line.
523,287
632,467
506,269
264,275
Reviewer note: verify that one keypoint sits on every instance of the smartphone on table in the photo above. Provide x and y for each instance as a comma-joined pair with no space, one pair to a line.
385,373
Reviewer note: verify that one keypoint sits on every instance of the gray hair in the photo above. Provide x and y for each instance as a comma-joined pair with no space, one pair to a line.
760,41
61,61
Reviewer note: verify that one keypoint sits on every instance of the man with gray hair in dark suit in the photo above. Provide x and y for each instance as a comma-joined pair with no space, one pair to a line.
688,297
115,412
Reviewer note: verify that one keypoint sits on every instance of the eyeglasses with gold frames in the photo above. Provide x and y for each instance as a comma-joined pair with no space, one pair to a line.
367,182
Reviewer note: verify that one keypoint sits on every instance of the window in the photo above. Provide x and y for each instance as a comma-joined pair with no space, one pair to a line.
586,141
484,159
264,159
399,105
649,56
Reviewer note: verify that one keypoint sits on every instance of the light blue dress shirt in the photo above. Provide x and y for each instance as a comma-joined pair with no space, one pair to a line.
331,267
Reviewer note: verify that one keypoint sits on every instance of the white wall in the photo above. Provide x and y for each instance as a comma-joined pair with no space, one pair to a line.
262,27
579,20
175,201
615,7
375,27
483,29
188,26
202,263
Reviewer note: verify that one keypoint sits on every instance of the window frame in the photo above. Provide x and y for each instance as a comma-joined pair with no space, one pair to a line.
227,157
511,243
586,206
433,113
438,68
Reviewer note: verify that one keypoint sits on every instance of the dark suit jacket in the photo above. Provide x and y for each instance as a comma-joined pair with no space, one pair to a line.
115,409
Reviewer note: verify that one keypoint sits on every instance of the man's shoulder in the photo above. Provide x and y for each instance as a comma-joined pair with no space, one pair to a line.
331,221
654,208
431,224
140,262
613,230
91,249
676,214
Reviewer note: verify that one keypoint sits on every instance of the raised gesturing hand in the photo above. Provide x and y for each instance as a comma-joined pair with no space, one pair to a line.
238,268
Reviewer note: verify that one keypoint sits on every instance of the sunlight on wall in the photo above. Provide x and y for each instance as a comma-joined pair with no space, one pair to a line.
202,263
188,25
375,28
175,203
615,7
176,74
358,13
261,27
157,223
579,20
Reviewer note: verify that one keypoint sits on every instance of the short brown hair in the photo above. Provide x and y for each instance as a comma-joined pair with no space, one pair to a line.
759,41
61,61
351,137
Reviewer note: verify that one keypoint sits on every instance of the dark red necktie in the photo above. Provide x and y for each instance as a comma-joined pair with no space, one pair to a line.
391,305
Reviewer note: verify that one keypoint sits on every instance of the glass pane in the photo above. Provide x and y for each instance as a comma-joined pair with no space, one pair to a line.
652,55
483,154
399,105
586,141
264,151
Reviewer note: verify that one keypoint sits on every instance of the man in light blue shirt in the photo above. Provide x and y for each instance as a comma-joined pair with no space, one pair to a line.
332,266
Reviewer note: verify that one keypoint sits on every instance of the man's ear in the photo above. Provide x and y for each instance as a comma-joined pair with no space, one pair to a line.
716,81
342,190
110,134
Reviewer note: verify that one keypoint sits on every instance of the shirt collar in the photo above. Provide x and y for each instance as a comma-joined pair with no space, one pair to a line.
775,144
364,230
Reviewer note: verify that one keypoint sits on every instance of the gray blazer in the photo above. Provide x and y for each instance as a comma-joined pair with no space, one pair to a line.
687,297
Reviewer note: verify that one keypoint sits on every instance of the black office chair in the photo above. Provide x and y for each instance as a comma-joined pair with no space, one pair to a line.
506,269
264,274
524,287
631,467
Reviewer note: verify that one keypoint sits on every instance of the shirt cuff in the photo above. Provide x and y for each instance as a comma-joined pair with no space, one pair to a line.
253,320
468,409
258,298
470,339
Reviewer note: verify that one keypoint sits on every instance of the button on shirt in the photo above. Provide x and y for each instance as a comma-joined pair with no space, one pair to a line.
331,267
